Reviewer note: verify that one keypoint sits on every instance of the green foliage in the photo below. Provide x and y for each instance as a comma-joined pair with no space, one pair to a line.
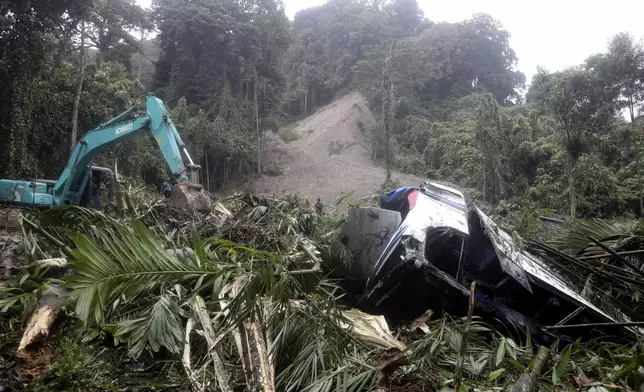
110,23
76,368
20,298
216,56
287,134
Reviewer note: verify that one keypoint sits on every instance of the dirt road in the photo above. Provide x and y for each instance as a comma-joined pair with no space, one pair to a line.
330,158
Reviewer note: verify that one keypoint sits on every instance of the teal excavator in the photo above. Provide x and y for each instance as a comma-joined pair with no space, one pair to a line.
79,182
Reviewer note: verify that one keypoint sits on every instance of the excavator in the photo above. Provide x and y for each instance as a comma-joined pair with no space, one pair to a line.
80,181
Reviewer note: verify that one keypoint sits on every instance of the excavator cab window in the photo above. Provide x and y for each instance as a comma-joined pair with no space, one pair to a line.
100,188
96,190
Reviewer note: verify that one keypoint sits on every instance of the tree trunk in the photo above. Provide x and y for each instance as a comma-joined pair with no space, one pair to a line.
386,108
306,100
101,48
79,90
259,135
571,186
138,72
207,170
631,109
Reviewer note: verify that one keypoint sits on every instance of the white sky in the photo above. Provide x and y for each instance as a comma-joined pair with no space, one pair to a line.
551,33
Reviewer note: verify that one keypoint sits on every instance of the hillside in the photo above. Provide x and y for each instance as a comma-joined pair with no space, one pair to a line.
330,157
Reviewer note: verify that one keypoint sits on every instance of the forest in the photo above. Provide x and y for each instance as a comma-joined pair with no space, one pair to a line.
231,71
150,297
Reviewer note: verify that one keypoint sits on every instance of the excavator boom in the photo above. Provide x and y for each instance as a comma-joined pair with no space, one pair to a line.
75,178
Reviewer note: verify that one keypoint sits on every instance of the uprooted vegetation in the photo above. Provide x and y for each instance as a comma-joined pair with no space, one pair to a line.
156,297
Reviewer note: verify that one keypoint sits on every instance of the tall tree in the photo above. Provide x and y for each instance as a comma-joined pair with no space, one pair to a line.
110,29
623,67
387,101
79,87
579,102
226,59
32,39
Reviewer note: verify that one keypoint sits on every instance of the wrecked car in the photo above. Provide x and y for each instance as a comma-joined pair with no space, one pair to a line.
423,247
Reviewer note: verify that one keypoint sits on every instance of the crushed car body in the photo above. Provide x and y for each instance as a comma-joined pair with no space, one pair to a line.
423,247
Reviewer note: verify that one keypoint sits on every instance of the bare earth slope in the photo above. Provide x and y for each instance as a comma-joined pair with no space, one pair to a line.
330,157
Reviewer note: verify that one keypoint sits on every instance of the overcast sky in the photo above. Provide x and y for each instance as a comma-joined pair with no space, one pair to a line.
551,33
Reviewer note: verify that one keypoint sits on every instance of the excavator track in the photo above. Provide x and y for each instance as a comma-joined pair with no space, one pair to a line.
9,214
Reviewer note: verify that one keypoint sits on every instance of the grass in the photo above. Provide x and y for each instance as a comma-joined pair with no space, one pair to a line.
287,133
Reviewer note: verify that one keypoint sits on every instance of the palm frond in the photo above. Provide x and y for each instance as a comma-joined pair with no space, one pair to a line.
159,326
575,239
129,261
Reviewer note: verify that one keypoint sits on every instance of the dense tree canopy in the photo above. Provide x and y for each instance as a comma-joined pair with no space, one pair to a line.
232,70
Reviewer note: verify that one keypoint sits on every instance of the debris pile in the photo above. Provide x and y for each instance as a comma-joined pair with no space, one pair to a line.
243,298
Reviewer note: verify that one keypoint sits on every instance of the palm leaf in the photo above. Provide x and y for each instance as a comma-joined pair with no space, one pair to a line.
159,326
575,239
128,260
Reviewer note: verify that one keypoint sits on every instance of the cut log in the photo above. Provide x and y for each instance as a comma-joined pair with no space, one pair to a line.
41,320
38,326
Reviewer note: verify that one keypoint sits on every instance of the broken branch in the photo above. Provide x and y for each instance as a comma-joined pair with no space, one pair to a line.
199,307
624,324
185,359
528,379
620,258
463,349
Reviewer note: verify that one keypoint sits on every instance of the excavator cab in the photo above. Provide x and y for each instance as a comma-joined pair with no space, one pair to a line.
100,187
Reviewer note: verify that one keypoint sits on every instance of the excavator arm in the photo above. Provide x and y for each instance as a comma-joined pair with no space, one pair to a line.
73,180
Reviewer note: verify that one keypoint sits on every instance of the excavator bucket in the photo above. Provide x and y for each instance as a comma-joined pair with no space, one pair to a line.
190,196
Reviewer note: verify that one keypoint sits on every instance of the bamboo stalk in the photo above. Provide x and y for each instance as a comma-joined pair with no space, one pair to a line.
463,349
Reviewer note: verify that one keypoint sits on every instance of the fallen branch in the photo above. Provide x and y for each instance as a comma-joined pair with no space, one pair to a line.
620,258
55,262
50,237
528,379
255,353
551,219
605,255
199,306
313,257
463,348
624,324
252,347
